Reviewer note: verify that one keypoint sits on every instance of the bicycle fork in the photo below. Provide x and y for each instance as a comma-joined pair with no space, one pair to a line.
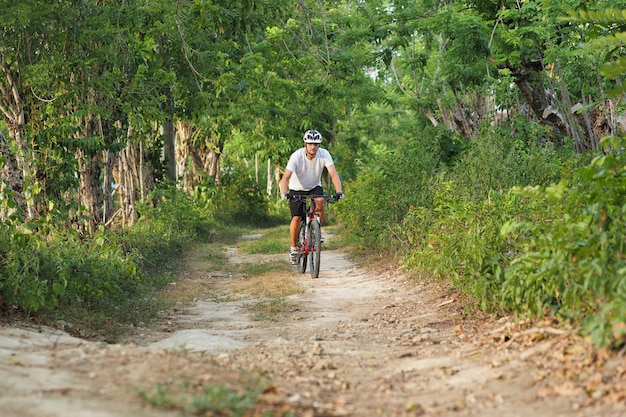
307,235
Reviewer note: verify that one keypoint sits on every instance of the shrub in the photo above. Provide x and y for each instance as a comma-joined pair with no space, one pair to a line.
500,160
457,236
387,186
459,240
107,275
168,220
571,262
52,272
237,200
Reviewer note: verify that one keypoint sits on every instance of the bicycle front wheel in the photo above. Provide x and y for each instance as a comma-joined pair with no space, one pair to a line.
302,257
315,248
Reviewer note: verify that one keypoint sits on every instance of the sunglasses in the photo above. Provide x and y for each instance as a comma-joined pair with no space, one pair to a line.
314,144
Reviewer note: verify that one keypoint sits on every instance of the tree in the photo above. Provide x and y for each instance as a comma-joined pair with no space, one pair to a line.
309,72
83,73
24,34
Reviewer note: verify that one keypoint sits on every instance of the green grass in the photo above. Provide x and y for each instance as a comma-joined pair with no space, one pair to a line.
273,240
206,399
337,241
273,309
212,255
266,267
228,234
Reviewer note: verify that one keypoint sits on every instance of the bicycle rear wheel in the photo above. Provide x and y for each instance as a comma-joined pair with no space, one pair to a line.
315,248
302,258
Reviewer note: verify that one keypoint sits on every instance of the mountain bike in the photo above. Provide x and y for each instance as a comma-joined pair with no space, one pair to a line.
309,242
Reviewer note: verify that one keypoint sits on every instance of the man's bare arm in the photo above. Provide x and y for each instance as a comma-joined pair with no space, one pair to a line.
284,182
334,176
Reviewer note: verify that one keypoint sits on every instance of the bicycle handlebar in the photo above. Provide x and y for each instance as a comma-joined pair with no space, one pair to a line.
329,198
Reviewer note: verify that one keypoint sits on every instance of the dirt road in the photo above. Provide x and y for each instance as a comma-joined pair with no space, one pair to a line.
354,343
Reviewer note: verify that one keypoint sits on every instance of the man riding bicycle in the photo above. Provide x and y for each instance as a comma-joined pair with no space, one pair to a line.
303,175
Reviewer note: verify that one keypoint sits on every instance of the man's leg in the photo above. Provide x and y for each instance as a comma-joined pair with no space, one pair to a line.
319,208
294,228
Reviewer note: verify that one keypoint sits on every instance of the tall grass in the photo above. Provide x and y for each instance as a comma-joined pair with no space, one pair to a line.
106,280
522,228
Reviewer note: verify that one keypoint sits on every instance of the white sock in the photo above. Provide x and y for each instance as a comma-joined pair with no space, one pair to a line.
293,249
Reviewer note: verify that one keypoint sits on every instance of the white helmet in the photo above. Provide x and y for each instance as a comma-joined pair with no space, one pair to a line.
312,136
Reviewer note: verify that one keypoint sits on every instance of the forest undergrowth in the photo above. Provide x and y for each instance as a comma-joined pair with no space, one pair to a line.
522,229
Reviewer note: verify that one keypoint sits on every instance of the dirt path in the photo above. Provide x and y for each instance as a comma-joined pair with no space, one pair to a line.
355,343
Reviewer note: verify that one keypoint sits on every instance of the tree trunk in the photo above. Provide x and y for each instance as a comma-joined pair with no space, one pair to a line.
169,149
12,107
126,186
269,177
184,132
10,172
169,136
211,162
107,210
142,172
206,158
448,119
278,172
89,170
529,79
464,126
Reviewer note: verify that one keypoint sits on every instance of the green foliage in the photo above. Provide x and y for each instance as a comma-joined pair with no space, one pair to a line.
503,158
452,218
107,277
464,56
174,218
473,172
57,272
239,199
519,227
606,34
209,399
571,260
459,239
389,183
606,17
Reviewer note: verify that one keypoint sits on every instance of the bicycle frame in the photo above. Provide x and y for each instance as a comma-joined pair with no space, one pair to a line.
309,235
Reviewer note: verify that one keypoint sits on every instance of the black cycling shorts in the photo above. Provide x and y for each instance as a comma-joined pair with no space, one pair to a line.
298,207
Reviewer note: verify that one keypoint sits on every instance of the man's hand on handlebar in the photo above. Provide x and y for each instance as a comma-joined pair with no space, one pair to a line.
338,196
286,196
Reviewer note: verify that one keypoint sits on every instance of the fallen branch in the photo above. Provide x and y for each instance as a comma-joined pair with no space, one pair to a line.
445,303
535,330
117,213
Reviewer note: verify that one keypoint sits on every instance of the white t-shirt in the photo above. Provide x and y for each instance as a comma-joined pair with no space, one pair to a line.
307,174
